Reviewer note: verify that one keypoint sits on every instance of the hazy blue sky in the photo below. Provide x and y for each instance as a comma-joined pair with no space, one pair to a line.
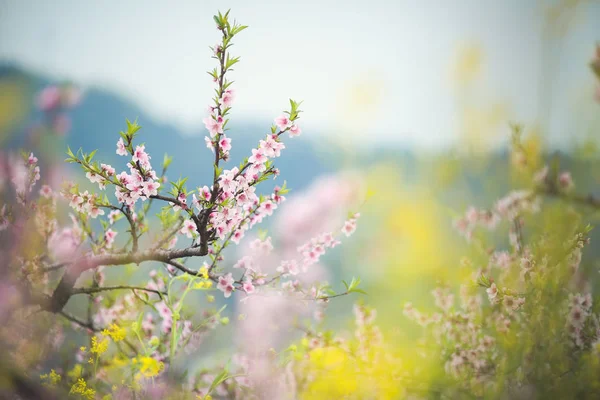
371,71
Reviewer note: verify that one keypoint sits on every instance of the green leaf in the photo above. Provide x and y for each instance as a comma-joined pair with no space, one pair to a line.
167,160
222,377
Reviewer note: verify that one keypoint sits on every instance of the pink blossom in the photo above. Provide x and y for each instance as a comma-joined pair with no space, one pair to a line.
110,171
209,144
71,96
540,176
4,222
248,286
61,124
565,181
95,211
32,159
295,131
283,122
63,245
257,157
189,228
49,98
109,237
289,267
46,191
112,216
121,149
268,207
172,243
349,227
150,187
140,155
271,147
94,177
245,262
227,98
264,246
237,236
225,284
225,143
492,292
214,126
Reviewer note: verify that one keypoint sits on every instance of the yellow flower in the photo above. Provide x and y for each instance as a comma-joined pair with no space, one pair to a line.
154,341
115,332
99,348
148,366
203,285
76,372
80,387
199,285
203,272
51,379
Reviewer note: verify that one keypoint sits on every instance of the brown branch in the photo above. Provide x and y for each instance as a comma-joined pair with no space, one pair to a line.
78,322
589,200
64,290
120,287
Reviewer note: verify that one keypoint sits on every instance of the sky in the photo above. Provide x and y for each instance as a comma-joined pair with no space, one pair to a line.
372,73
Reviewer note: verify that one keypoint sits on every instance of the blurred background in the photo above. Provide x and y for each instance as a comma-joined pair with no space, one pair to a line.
406,101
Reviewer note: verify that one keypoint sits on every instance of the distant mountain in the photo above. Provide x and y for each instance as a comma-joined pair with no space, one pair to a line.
101,114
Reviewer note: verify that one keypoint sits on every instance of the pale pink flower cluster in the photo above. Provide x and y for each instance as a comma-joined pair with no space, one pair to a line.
63,244
86,203
124,308
473,218
321,208
109,237
470,349
284,123
579,313
516,203
53,97
564,179
350,225
225,284
239,208
509,207
313,249
139,184
54,101
23,174
4,221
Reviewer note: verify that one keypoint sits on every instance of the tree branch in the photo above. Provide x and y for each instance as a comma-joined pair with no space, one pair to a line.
64,290
120,287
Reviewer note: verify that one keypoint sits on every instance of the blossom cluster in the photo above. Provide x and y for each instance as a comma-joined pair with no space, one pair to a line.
533,290
55,101
140,331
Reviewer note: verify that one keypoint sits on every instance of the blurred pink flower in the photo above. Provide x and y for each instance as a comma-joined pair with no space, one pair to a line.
49,98
63,245
61,124
71,96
